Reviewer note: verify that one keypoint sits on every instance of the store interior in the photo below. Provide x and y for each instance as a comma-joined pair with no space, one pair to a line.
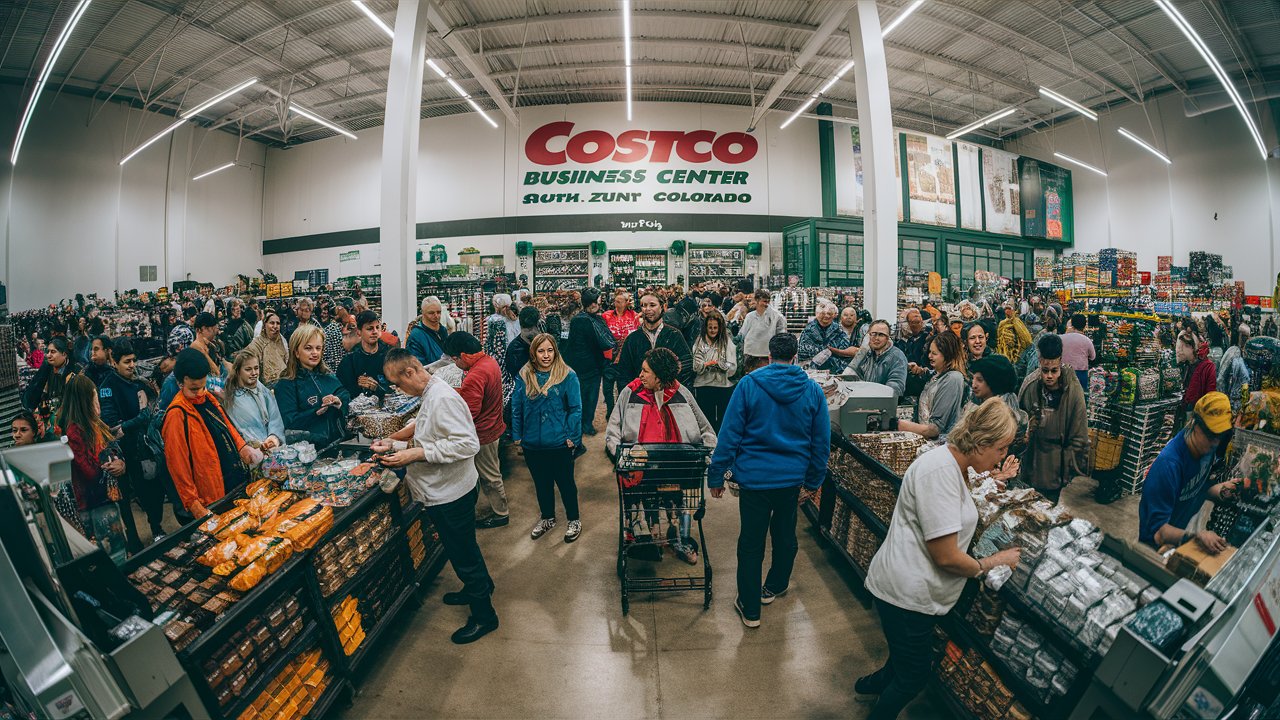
919,212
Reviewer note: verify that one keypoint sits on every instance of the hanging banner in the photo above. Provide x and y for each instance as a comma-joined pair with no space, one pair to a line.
1046,200
969,185
1000,192
930,179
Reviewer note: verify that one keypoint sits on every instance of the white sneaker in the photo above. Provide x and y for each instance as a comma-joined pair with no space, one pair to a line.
542,527
573,531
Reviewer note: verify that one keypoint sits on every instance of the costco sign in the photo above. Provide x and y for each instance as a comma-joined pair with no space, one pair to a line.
583,166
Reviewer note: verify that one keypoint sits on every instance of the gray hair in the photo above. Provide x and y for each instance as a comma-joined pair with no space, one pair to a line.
827,305
430,300
501,300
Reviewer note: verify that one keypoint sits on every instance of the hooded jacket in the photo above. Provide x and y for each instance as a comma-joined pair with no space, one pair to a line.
190,453
628,413
589,340
1059,446
1200,378
776,432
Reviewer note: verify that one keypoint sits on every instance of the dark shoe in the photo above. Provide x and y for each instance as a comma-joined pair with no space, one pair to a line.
456,598
767,596
494,521
748,621
873,684
473,631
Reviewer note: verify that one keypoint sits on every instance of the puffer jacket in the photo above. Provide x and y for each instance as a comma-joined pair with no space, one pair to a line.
624,424
547,421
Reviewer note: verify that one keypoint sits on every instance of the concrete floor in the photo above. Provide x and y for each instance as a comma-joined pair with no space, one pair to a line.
564,649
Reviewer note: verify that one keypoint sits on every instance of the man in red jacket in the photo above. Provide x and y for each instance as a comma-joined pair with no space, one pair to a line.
1199,376
482,389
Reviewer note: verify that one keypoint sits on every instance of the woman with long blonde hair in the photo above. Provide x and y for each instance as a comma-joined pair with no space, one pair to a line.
546,421
313,402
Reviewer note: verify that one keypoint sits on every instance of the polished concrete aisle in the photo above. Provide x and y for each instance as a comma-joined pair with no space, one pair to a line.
564,649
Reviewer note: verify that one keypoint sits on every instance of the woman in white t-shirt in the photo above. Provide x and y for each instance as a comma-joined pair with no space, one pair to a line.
919,572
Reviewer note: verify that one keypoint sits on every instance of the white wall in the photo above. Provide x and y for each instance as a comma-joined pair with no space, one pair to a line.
1218,196
75,221
469,170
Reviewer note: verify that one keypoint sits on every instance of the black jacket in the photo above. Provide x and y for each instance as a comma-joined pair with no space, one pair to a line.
118,399
35,392
589,338
357,363
517,356
637,344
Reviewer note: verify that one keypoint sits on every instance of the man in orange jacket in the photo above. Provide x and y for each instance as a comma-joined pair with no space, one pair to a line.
202,449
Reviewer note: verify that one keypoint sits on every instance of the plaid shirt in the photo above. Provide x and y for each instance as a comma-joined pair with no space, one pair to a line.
333,350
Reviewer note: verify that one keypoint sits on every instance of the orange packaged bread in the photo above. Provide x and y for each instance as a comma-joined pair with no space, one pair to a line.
222,552
268,562
215,524
305,529
253,548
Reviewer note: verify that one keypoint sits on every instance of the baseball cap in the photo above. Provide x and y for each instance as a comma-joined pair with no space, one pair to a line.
1214,409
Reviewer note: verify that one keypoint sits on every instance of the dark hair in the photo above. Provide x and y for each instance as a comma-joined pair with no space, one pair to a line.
529,317
997,372
664,364
29,418
122,348
204,320
1078,321
783,347
59,343
397,357
590,295
104,340
653,295
745,287
364,317
969,328
714,298
345,302
188,313
461,342
191,364
951,350
763,294
1049,347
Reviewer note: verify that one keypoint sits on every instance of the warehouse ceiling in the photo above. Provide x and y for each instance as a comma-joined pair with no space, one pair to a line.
950,62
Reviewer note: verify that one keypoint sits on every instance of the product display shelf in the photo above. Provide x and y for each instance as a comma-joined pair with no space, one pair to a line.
877,467
962,634
254,688
337,686
949,699
431,566
868,517
1147,428
811,511
844,553
357,660
388,546
1083,657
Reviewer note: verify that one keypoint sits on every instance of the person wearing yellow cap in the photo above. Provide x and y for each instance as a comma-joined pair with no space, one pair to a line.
1178,483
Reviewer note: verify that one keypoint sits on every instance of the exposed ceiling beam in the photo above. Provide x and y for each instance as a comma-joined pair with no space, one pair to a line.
89,45
464,54
1136,46
835,15
637,15
1043,50
1234,37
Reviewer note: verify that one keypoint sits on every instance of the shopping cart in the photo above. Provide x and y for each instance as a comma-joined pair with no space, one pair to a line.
661,484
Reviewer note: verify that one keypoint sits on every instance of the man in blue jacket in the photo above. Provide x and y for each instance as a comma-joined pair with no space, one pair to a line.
774,445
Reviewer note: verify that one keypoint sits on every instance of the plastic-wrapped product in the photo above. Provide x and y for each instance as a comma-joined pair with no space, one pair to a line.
998,576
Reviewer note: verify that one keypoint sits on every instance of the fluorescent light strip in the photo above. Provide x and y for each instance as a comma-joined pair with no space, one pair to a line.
1063,100
1084,165
176,124
1217,68
839,74
218,98
1146,146
58,46
372,16
982,122
797,113
901,16
218,169
626,49
484,115
432,64
317,119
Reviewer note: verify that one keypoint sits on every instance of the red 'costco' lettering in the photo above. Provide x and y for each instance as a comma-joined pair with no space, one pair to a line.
656,146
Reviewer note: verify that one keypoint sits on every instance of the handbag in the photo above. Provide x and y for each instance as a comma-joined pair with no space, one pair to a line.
108,453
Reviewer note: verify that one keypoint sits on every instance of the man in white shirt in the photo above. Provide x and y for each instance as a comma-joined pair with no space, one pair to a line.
758,328
437,451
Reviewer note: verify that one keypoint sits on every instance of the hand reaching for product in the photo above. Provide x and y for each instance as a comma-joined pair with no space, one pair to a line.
1212,542
1009,556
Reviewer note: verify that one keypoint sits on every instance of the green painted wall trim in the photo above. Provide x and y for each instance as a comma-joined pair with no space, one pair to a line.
827,160
531,224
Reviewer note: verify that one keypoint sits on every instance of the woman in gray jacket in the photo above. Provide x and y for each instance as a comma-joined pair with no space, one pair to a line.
656,408
715,360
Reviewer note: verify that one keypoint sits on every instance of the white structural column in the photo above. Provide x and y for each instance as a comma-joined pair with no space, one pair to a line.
880,186
398,240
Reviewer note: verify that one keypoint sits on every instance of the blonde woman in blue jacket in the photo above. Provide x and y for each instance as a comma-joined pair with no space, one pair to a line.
546,422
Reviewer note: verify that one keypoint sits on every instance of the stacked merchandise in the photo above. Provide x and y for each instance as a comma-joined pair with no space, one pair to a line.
420,543
976,686
342,557
294,692
1146,428
1117,268
381,417
560,269
240,662
913,288
469,302
725,264
370,285
798,304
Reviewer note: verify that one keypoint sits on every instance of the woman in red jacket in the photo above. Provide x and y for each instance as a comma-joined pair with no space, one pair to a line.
1199,376
80,418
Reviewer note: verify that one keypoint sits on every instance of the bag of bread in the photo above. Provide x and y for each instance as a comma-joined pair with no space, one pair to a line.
216,523
223,551
306,529
268,562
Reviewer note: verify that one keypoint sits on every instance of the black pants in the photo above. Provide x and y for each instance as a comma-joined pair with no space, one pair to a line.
713,401
456,523
590,388
551,469
910,638
773,513
611,389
